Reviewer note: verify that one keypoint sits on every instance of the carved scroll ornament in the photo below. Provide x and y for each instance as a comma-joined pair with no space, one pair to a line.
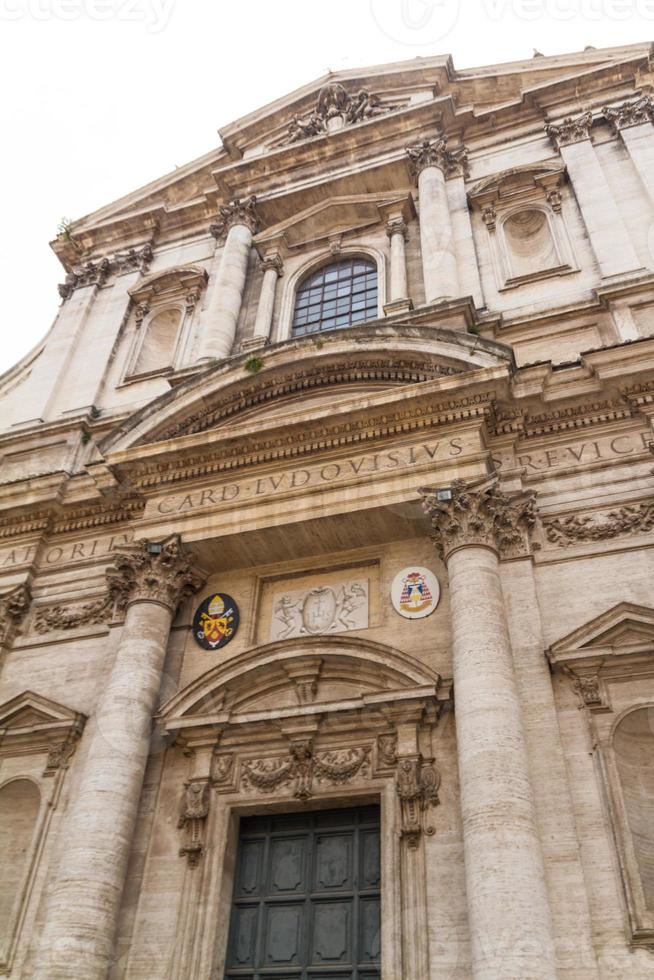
633,113
334,101
416,784
570,130
194,812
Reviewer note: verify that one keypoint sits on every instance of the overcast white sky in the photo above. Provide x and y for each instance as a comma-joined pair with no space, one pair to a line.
102,96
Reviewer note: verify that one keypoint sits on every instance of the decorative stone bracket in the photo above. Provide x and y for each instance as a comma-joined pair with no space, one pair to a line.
416,784
192,820
13,608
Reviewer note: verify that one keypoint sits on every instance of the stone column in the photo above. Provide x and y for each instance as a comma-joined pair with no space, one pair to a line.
430,163
83,906
508,910
238,222
399,301
272,270
608,234
633,122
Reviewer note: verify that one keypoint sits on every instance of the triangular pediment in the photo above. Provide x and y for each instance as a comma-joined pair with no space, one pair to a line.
29,713
622,630
335,217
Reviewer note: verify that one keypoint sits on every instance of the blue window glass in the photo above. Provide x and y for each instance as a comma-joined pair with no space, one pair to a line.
337,295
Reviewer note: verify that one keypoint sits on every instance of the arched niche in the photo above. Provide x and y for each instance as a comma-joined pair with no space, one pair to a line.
633,749
20,804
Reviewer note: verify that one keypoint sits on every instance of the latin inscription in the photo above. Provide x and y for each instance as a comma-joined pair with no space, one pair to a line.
590,451
64,554
312,476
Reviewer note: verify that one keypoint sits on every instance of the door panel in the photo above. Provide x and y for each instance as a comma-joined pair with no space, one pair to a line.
307,897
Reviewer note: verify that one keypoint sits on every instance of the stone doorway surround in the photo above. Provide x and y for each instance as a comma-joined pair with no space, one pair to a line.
313,723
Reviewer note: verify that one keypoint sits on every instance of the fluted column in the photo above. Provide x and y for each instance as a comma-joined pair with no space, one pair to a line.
237,223
430,163
633,122
78,935
398,302
272,270
508,909
608,234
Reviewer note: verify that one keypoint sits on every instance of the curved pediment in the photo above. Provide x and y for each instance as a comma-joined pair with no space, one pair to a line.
284,675
307,373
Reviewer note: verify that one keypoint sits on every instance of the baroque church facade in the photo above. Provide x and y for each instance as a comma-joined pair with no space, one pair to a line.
326,602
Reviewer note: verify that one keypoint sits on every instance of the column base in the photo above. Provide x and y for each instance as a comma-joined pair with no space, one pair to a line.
398,306
253,343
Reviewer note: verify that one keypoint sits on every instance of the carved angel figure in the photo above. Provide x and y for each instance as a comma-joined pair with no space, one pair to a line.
350,599
285,612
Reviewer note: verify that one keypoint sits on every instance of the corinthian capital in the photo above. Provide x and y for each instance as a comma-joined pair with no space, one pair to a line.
150,571
13,606
236,213
435,153
630,113
570,130
480,514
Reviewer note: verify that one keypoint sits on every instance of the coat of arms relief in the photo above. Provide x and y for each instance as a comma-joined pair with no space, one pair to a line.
320,610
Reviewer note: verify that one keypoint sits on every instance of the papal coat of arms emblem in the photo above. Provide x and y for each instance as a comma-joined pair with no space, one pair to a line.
415,592
216,621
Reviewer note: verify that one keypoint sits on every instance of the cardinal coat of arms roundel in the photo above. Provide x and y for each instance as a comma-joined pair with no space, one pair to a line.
415,592
216,621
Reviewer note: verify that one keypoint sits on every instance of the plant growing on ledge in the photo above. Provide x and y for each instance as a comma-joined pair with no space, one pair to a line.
253,364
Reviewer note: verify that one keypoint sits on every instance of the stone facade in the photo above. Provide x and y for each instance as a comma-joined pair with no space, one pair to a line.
205,505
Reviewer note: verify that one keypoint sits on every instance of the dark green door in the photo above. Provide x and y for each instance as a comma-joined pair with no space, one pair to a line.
307,897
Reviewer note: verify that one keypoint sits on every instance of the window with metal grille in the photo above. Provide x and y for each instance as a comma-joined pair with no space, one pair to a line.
337,295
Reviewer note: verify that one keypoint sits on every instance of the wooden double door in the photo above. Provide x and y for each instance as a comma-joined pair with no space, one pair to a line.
306,900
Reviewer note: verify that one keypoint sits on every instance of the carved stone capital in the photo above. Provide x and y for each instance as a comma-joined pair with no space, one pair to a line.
153,572
628,114
480,514
13,607
272,261
236,212
570,130
435,153
89,274
397,226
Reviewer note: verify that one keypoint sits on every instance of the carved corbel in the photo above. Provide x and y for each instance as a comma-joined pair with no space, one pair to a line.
193,816
305,677
589,688
416,784
13,608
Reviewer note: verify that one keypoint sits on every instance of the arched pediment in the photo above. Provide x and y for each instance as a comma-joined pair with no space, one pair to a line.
340,365
517,180
285,675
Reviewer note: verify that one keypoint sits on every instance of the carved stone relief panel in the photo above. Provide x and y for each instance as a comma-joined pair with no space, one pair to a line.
320,610
320,603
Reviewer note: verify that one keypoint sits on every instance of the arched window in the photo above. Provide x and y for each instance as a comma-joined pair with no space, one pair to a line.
337,295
